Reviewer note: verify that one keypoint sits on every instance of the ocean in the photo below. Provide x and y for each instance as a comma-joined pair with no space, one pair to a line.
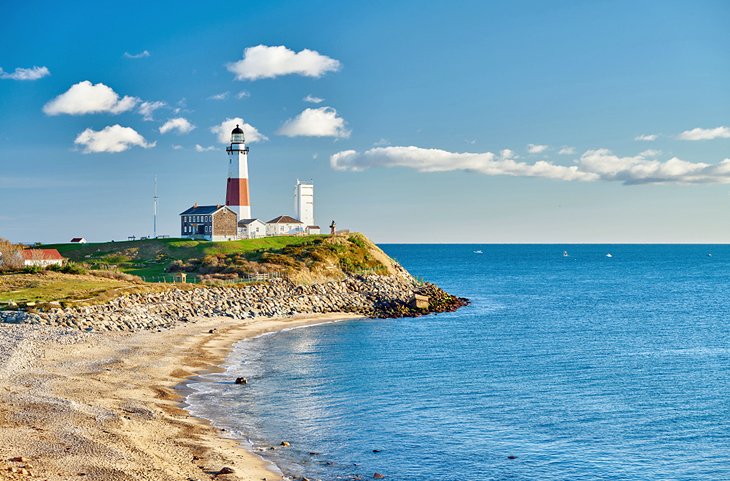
578,367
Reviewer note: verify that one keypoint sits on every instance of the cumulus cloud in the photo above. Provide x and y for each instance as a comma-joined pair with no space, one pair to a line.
142,54
223,131
243,94
646,137
87,98
263,61
33,73
437,160
566,150
200,148
705,134
536,148
147,109
180,124
313,100
113,138
177,147
320,122
220,96
593,165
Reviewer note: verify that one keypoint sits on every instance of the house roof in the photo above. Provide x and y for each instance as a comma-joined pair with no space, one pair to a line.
283,219
41,254
243,222
313,227
77,239
203,209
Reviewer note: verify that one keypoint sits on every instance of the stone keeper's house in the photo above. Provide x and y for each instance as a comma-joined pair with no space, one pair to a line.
209,222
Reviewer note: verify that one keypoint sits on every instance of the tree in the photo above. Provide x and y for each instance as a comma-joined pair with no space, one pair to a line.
9,255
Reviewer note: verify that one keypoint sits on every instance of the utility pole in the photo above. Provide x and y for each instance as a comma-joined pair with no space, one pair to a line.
154,211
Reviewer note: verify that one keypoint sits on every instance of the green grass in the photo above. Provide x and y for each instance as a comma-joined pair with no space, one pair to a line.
149,258
53,286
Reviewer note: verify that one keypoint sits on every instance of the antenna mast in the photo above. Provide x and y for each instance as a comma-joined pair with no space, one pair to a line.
154,211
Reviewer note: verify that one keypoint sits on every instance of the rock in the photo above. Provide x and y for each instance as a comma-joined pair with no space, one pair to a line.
285,444
241,380
226,470
19,459
511,456
378,476
376,450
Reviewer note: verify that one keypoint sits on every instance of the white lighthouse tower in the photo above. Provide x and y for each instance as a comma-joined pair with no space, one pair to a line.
237,195
304,203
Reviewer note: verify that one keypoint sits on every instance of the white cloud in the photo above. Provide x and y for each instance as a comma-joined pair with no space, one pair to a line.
87,98
313,100
320,122
650,153
243,94
113,138
182,125
147,109
200,148
142,54
33,73
176,147
263,61
593,165
536,148
220,96
705,134
223,131
566,150
646,137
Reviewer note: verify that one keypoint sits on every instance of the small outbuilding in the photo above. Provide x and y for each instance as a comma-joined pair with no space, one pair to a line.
78,240
41,257
284,225
251,229
313,229
209,222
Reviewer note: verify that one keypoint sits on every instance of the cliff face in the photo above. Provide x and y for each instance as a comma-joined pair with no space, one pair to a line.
371,296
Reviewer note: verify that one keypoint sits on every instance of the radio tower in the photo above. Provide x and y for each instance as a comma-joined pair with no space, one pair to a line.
154,211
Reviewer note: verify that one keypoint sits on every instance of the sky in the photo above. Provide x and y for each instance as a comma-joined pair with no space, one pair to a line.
468,121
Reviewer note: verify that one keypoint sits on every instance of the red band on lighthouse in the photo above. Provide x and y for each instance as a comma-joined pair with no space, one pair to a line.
237,193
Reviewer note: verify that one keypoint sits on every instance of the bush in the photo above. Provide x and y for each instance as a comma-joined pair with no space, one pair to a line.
69,268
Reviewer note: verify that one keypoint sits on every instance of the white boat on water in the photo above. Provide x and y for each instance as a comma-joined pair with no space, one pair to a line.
565,254
609,255
478,252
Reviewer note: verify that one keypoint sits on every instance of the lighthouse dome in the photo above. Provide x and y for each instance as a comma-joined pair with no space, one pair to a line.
237,135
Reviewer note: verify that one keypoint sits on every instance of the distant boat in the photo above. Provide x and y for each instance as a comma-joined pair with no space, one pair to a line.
565,254
709,254
478,252
609,255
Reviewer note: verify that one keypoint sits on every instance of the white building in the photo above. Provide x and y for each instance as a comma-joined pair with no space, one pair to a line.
251,229
304,202
284,225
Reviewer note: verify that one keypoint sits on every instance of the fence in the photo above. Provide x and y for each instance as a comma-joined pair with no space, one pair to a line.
253,277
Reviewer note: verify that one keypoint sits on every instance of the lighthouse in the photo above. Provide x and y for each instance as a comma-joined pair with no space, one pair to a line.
237,196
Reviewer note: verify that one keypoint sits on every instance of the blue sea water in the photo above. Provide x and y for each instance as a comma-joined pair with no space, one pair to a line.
583,367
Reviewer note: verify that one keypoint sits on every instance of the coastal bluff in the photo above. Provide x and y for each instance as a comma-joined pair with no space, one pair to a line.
375,296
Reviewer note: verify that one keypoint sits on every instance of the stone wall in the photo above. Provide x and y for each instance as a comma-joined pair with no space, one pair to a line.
371,296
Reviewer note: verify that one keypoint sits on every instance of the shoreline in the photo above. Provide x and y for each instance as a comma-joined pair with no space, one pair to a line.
109,406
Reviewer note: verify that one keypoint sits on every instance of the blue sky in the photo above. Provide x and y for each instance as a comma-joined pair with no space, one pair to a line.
438,122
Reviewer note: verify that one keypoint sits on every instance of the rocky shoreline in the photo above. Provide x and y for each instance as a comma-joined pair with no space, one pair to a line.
369,296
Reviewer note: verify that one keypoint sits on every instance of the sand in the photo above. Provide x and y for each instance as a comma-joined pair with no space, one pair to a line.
105,406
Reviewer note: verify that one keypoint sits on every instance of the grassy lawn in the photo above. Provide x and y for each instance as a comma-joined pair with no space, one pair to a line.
149,258
66,288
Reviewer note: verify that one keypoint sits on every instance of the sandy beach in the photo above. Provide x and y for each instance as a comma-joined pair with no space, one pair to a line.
105,406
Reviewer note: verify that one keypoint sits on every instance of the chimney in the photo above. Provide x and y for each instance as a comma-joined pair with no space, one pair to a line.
195,205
